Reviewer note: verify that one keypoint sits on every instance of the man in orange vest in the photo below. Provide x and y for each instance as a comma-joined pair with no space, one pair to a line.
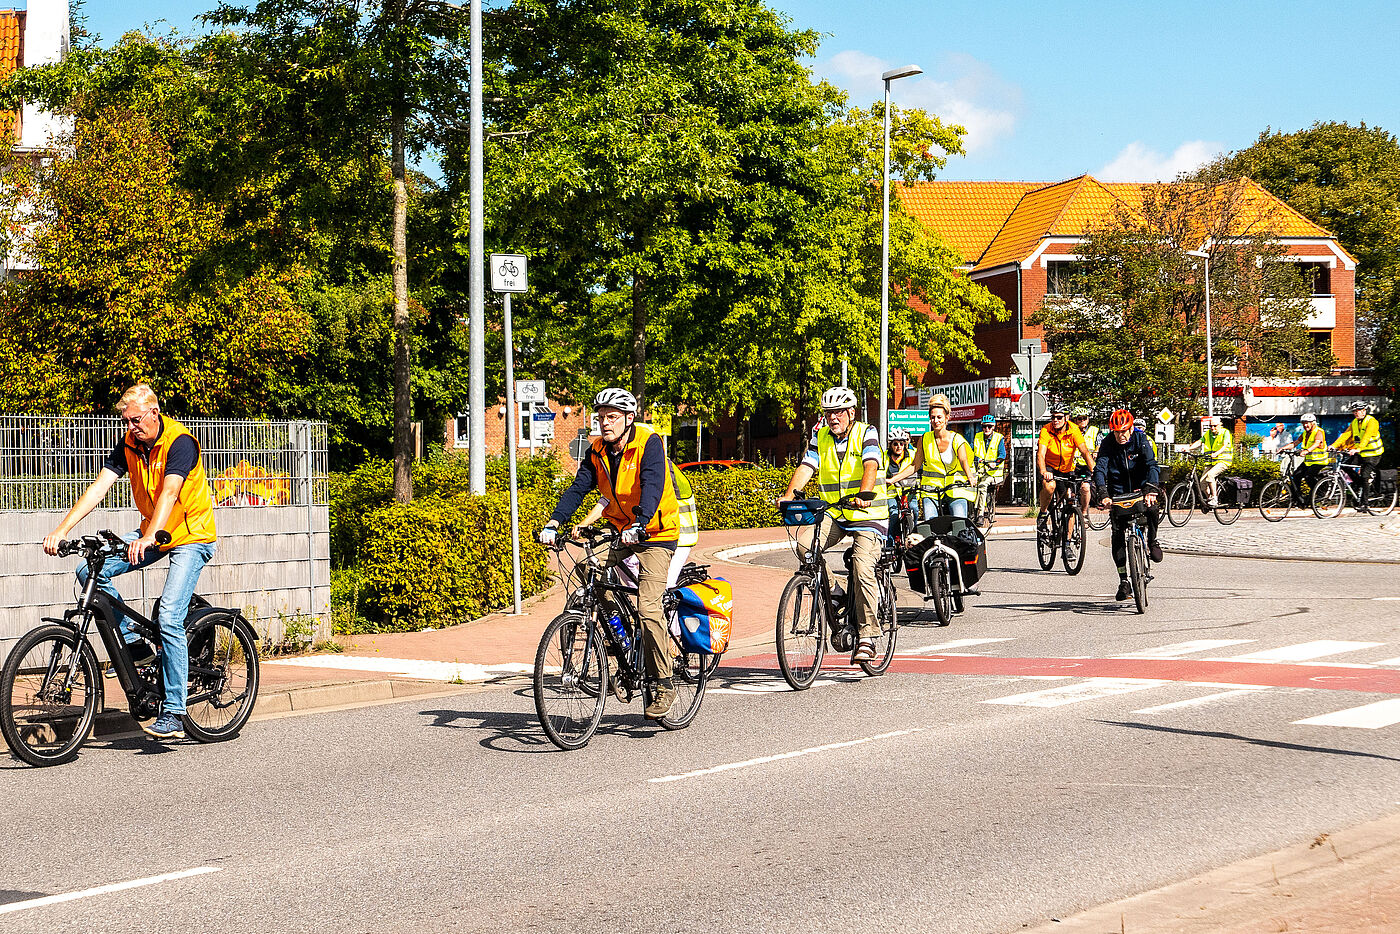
171,491
627,465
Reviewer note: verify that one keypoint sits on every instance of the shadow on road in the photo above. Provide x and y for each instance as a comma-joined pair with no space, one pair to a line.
520,732
1274,744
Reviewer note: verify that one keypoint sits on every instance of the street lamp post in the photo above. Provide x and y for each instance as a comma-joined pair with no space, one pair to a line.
1210,369
892,75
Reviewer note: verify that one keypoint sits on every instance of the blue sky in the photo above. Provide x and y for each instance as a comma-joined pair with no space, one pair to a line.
1126,90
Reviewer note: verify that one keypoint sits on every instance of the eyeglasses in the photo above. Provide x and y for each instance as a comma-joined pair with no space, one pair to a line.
133,422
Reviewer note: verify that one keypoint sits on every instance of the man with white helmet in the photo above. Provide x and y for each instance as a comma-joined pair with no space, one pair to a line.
1363,438
844,455
627,465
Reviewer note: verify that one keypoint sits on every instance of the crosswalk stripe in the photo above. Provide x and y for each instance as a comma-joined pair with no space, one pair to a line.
1178,649
1088,689
1304,651
955,644
1387,661
1201,701
1366,717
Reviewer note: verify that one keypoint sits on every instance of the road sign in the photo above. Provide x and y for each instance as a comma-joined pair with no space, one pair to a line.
1165,416
529,390
1033,405
577,448
1028,345
914,421
542,428
1031,366
508,272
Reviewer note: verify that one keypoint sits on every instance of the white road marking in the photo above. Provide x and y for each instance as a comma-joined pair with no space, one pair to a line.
955,644
1387,661
1304,651
1366,717
1200,701
1178,649
408,667
730,766
105,889
775,686
1385,598
1088,689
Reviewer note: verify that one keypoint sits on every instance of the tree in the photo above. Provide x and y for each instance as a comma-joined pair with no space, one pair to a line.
1130,330
1346,179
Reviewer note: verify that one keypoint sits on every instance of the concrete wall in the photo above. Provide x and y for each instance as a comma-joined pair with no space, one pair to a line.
270,560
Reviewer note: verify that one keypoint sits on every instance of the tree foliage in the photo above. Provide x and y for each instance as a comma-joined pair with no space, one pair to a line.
1131,329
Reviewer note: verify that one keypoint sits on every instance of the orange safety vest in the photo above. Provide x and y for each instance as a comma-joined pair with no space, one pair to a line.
624,492
192,519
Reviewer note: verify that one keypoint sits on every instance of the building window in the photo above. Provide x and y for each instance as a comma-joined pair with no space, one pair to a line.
1318,276
1060,276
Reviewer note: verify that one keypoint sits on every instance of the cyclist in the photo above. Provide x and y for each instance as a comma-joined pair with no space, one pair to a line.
1125,462
627,465
1055,451
943,461
898,456
170,490
1140,425
989,454
689,535
1080,416
1312,440
844,455
1363,438
1220,445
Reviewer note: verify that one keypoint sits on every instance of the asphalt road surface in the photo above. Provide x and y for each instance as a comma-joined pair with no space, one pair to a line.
1048,751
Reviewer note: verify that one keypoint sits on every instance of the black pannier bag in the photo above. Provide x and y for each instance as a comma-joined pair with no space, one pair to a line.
958,534
1237,487
1387,480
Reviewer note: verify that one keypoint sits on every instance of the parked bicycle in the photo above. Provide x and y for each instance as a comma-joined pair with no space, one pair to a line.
51,686
813,612
582,657
1281,494
984,507
1340,485
1132,509
1186,496
1060,528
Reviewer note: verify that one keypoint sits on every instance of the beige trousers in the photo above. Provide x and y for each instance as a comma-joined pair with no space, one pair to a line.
866,555
655,563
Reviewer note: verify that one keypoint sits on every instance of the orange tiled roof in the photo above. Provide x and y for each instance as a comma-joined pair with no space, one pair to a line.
11,59
967,215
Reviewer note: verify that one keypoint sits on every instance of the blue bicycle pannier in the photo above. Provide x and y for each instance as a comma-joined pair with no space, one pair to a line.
799,512
704,616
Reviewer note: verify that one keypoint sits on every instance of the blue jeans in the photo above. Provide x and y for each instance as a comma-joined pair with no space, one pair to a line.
186,561
954,507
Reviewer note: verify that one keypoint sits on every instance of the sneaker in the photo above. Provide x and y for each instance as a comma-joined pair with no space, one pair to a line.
1154,551
1124,590
1071,552
661,700
166,726
865,651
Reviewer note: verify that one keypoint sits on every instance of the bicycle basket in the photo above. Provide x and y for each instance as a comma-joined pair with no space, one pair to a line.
800,511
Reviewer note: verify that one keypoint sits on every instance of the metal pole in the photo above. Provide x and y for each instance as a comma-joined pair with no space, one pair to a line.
510,448
1210,369
476,358
885,279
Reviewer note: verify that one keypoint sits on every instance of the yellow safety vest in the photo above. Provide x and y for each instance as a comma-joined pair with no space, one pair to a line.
950,477
192,518
1220,445
1365,436
689,529
892,468
1091,440
985,448
841,476
1314,456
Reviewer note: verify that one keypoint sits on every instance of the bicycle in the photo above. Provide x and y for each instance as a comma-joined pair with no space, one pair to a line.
811,612
938,564
1278,496
1186,495
580,659
51,684
984,508
1341,483
1134,507
1055,532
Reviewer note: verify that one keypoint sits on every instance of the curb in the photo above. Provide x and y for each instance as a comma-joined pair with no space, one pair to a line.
1203,553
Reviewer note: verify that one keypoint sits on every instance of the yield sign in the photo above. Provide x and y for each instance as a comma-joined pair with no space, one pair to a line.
1031,366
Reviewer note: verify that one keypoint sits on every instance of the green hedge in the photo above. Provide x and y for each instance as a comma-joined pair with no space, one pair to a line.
1245,464
738,499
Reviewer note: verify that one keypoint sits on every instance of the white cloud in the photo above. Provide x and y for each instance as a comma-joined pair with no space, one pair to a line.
1137,163
962,90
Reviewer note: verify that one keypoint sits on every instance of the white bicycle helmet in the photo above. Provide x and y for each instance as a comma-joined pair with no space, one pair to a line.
838,397
899,434
1309,417
619,399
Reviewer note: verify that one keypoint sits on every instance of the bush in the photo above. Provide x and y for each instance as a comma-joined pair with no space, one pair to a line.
1246,465
738,499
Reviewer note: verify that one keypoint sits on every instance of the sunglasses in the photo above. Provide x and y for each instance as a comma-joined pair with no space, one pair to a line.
135,420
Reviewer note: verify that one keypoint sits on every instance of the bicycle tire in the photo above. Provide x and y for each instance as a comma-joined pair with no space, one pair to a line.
568,714
690,673
1275,499
1329,496
1227,513
1181,502
801,622
1380,503
941,592
1137,571
38,730
223,677
888,614
1078,539
1046,541
1098,519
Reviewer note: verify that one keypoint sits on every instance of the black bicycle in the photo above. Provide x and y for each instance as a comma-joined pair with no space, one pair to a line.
1132,509
1061,526
51,683
1187,495
813,612
582,657
1340,484
1279,495
984,507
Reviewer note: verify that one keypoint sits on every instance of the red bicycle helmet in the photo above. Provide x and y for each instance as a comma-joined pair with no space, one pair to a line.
1120,419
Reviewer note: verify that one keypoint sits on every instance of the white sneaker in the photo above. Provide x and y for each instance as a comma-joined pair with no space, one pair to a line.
864,652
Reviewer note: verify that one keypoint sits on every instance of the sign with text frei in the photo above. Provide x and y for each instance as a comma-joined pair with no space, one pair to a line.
970,401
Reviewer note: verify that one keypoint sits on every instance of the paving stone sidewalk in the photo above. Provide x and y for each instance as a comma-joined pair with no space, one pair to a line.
1301,536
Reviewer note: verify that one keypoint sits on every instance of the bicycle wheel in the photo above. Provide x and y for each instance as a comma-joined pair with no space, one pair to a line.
224,675
1275,499
690,672
1329,496
1380,503
801,632
940,590
49,694
888,614
568,712
1181,501
1097,518
1074,542
1137,570
1046,541
1229,506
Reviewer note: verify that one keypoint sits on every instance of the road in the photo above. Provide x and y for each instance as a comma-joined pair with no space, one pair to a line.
1011,768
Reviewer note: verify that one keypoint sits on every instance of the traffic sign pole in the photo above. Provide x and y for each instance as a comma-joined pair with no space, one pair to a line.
510,448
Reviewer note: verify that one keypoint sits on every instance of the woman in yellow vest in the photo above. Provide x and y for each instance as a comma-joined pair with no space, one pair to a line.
1363,438
943,461
169,487
1220,445
1312,441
